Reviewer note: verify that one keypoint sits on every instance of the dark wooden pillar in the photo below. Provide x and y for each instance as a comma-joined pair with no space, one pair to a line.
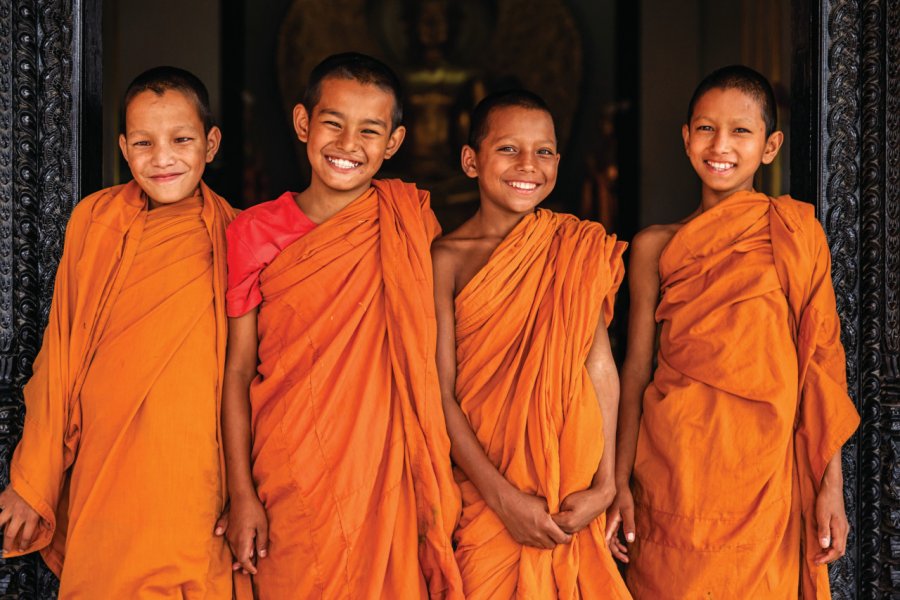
49,151
846,156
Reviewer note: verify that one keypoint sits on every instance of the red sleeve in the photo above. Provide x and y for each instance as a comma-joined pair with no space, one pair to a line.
243,293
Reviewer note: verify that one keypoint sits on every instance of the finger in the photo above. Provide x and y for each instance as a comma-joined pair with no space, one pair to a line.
245,557
262,539
222,524
564,520
10,532
619,551
628,524
27,533
823,558
612,526
557,535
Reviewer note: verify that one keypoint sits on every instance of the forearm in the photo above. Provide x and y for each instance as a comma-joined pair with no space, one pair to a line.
629,421
468,455
834,474
606,387
236,433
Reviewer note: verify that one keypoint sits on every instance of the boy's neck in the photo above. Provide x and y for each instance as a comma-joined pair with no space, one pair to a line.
711,198
320,204
494,222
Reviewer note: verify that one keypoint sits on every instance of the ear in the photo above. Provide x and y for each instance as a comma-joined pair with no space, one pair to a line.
394,141
213,140
301,123
685,136
469,161
123,146
773,144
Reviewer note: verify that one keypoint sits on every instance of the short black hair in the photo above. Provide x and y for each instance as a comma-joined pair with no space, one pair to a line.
161,79
745,79
478,129
359,67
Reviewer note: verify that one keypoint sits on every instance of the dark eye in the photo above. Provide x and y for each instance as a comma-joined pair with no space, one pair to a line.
371,132
141,143
507,149
704,128
546,152
742,130
334,124
183,140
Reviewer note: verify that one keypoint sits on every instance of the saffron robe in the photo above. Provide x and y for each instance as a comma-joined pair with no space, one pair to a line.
524,327
747,406
121,451
350,454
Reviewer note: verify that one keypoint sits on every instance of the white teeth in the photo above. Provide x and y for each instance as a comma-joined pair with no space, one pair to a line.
720,166
342,163
523,185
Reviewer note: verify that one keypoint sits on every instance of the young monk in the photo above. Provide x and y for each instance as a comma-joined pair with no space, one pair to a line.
331,393
528,382
118,478
734,454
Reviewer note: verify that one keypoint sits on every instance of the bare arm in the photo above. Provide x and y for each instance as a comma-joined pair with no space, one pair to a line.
525,516
643,285
247,520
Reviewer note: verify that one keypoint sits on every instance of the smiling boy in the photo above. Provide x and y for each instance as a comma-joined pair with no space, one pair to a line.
733,448
118,479
338,459
528,383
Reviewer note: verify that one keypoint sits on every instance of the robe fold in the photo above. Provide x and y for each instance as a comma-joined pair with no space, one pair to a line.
121,451
350,452
524,327
747,406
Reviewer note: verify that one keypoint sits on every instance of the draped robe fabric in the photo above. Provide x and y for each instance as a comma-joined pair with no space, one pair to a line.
524,327
350,452
747,406
121,451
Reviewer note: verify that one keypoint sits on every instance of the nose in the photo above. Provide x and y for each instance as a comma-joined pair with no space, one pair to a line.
722,141
163,154
347,140
526,162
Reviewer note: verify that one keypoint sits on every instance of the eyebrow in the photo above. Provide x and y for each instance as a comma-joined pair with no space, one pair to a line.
341,115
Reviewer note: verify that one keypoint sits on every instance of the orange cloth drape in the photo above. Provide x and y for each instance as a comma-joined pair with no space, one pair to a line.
350,453
524,326
747,405
120,452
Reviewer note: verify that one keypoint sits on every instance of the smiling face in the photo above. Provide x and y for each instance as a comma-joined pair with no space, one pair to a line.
516,162
726,141
347,136
165,146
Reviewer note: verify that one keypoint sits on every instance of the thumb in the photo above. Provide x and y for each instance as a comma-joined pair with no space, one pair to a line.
628,523
222,524
824,529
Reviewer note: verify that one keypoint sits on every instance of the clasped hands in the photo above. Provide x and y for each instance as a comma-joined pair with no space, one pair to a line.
527,517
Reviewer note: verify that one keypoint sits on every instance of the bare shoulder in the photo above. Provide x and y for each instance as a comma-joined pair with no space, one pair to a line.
460,254
648,244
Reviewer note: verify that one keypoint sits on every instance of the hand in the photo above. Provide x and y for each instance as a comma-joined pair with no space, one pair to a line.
247,530
18,520
831,522
578,509
620,512
527,518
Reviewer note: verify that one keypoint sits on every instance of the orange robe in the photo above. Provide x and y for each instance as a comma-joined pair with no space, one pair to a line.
747,406
524,326
350,453
121,448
